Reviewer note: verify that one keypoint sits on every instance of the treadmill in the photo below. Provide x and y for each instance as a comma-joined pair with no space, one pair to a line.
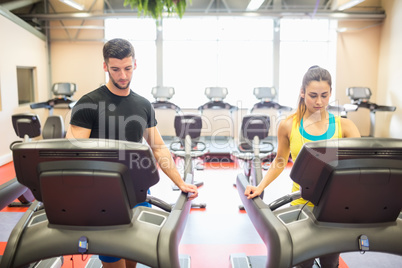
165,112
360,97
85,192
62,98
26,126
354,184
218,126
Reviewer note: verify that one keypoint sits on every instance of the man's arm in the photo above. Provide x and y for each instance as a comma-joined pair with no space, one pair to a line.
75,132
165,160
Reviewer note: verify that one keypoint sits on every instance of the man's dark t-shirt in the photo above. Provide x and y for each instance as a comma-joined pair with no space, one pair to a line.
110,116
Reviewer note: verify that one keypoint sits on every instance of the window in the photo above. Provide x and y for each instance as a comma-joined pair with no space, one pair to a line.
304,43
233,52
217,51
26,84
142,34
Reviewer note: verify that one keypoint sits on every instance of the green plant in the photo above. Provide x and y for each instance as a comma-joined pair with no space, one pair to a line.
156,8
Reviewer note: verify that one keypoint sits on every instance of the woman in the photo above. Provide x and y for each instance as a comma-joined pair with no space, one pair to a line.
311,122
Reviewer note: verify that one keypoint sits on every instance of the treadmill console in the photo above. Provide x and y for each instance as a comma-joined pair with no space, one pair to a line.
351,180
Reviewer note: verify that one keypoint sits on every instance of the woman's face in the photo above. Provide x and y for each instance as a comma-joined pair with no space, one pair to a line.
316,97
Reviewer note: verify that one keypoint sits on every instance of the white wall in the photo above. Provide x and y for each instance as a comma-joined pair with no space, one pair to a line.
73,57
18,47
390,71
357,65
78,62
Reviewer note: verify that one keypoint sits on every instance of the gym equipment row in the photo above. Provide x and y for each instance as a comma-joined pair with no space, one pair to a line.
51,170
354,188
28,126
218,124
370,170
220,118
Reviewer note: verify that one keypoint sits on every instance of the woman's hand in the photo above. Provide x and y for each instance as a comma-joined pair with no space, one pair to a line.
252,191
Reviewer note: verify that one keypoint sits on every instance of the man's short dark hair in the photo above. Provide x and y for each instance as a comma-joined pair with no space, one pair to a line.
117,48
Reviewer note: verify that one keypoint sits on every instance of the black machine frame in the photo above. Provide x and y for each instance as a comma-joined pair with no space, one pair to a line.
86,172
320,165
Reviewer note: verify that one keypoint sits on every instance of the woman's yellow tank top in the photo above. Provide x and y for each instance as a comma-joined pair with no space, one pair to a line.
299,136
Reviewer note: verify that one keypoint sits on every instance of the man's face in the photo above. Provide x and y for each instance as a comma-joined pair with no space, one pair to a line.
120,71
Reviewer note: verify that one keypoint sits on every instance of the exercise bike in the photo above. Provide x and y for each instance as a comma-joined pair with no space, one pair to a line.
252,149
188,147
26,126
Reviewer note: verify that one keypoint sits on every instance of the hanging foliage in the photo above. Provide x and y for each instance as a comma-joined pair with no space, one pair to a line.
156,8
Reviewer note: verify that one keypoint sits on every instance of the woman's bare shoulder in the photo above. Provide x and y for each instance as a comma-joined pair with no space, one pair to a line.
349,129
286,124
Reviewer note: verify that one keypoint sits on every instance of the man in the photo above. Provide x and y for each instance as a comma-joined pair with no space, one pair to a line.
113,111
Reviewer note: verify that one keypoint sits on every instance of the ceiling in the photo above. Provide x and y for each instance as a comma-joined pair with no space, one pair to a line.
36,12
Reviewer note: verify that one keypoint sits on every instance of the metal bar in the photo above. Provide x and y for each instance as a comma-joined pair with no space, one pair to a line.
18,4
85,27
18,21
61,22
226,6
83,21
209,6
265,13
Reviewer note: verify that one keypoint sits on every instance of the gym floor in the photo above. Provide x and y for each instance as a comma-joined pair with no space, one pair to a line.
217,231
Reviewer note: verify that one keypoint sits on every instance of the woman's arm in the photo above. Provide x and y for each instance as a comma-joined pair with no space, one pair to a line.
280,161
349,129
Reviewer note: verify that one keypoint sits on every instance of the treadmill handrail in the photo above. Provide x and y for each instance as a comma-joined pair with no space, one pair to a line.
373,107
9,191
8,258
288,246
167,237
271,230
286,199
172,231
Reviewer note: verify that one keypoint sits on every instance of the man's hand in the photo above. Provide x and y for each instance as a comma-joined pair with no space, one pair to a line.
189,188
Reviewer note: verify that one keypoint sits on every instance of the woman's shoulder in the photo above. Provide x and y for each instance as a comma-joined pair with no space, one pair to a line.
349,128
345,122
287,124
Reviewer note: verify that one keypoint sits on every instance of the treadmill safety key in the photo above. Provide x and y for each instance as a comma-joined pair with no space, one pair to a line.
363,243
83,245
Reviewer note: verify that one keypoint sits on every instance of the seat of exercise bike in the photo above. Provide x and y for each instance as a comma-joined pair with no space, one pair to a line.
26,124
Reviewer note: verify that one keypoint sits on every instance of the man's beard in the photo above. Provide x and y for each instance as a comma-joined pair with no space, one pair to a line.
117,85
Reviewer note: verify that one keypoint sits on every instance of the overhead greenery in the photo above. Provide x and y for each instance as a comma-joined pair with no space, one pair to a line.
156,8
